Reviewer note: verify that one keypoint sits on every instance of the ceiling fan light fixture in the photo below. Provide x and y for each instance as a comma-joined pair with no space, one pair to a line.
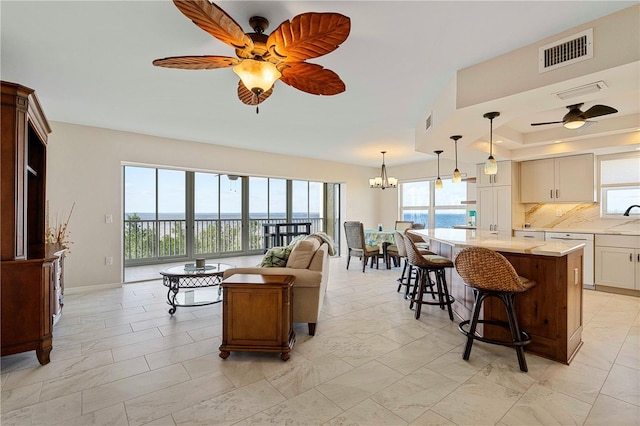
491,166
574,124
256,75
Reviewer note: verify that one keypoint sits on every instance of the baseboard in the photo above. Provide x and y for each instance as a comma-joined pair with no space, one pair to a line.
88,288
618,290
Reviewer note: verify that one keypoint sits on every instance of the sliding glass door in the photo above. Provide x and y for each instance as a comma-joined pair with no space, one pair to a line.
172,214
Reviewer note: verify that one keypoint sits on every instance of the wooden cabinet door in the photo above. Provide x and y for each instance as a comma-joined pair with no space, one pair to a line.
502,210
637,276
485,204
482,180
615,267
575,178
503,177
537,181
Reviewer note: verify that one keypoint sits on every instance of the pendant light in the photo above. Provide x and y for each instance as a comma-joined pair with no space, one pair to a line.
438,180
457,177
383,181
490,166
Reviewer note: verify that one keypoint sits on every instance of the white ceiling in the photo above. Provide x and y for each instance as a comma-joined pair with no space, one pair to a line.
90,64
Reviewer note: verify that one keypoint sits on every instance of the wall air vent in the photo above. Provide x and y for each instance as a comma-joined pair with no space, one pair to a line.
569,50
578,92
428,123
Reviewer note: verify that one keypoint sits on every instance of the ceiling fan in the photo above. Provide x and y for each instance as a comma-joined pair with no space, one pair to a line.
264,59
576,118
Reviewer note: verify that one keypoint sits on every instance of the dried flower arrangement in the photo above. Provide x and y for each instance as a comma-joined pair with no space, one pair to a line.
59,233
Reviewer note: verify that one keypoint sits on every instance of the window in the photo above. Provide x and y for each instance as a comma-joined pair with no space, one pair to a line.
415,201
441,208
619,184
449,209
171,214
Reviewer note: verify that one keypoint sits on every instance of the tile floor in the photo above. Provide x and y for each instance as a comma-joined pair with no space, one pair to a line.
120,359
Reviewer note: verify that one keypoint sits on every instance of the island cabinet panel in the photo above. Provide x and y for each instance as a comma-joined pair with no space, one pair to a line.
551,312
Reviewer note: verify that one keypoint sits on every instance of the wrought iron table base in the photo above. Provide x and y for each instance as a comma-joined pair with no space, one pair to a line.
175,283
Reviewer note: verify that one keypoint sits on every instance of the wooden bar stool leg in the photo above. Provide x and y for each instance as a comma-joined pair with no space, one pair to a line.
421,284
414,292
444,292
508,300
409,277
401,279
477,304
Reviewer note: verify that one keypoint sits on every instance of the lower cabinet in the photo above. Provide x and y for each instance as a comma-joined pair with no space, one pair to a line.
30,292
617,261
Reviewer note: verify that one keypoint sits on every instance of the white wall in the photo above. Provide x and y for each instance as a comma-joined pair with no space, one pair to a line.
84,166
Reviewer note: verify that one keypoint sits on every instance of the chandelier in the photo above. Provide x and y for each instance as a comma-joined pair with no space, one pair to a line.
383,181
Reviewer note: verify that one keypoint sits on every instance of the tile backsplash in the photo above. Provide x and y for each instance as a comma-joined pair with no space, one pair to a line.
583,216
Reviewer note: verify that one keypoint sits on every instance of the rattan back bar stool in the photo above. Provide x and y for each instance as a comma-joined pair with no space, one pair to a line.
490,274
424,265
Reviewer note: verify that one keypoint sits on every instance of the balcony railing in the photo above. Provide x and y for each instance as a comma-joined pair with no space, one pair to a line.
155,240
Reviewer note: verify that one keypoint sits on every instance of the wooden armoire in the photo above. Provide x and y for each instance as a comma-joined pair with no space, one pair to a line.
30,269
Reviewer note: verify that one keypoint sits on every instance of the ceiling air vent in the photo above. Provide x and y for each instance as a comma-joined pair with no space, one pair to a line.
569,50
428,123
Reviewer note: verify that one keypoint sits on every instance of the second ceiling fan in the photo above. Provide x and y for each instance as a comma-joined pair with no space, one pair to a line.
262,59
576,118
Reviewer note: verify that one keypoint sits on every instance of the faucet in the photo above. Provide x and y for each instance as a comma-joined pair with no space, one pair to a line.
626,213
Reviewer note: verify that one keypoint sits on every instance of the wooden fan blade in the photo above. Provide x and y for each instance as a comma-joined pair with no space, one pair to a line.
248,97
312,78
308,35
543,124
598,111
216,22
197,62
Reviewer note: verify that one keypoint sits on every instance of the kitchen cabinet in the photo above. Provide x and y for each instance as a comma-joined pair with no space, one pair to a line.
494,198
617,261
503,177
560,179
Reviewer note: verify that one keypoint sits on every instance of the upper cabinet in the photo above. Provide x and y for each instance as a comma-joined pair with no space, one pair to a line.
568,179
503,177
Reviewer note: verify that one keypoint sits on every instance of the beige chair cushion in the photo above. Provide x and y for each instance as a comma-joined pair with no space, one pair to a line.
302,253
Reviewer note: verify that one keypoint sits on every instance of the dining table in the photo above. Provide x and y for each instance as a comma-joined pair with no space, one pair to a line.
383,238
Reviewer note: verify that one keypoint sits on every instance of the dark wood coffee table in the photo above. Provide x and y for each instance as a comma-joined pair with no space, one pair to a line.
190,277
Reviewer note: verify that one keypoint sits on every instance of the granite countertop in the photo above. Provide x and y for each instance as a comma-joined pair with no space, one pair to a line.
583,231
472,238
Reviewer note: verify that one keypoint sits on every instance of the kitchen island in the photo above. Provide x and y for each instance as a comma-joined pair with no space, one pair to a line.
551,312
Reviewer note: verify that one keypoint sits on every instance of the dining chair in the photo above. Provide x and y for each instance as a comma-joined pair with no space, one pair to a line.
402,225
357,246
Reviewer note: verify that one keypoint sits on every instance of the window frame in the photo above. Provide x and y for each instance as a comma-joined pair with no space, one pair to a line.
432,209
604,189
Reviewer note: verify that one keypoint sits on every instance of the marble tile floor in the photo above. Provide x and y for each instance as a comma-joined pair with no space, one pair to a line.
120,359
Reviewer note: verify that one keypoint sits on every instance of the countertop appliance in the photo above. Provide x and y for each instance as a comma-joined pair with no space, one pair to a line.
588,240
